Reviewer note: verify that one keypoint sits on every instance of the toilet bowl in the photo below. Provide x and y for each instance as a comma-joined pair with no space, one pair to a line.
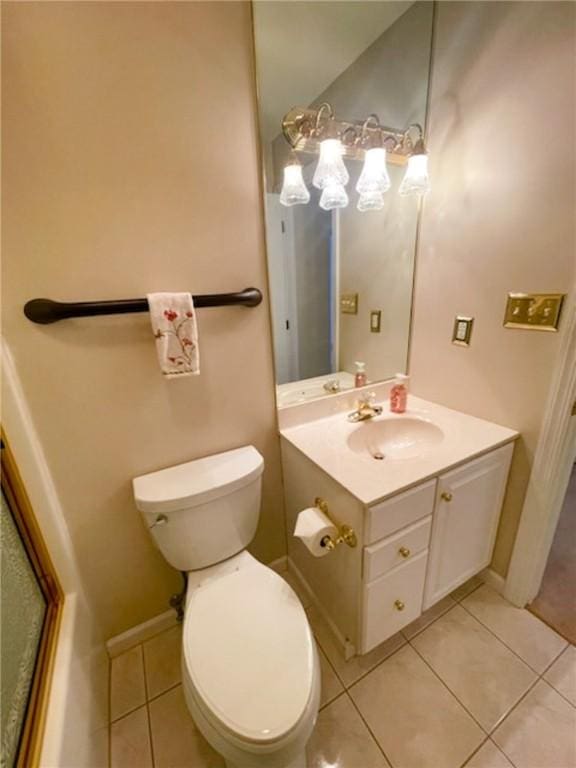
250,668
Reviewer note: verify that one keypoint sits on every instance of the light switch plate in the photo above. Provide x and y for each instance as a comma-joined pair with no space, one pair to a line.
349,303
375,320
462,330
534,311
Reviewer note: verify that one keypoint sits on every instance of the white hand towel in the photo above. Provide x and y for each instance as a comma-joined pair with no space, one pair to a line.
174,327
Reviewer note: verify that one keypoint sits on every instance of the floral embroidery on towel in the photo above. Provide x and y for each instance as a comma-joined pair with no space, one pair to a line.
181,328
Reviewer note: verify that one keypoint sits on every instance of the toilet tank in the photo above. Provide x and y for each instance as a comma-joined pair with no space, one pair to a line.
204,511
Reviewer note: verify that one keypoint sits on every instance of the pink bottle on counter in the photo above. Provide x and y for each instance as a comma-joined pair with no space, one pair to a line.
399,393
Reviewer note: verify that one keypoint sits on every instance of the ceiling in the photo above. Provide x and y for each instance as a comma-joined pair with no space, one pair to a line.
302,47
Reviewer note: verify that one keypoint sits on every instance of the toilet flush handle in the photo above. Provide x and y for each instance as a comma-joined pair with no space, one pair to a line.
160,520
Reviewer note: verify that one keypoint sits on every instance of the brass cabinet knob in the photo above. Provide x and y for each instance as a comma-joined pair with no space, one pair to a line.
446,496
399,605
404,551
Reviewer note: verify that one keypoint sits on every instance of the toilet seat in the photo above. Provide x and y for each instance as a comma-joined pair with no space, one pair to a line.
249,658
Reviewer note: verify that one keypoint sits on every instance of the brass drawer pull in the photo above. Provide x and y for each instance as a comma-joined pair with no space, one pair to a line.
404,551
399,605
446,496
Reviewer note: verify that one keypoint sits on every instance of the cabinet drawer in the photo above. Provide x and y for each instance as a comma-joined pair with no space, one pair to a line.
399,511
404,587
397,549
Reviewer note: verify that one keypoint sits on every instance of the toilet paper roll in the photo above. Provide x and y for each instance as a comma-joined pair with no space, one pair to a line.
312,526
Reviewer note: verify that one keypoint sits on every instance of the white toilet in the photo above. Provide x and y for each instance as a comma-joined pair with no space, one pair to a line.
250,668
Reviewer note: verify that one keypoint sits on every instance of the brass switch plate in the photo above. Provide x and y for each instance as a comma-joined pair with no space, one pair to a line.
462,330
375,320
349,303
536,311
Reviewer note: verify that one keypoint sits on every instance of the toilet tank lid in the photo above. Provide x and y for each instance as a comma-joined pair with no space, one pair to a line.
197,482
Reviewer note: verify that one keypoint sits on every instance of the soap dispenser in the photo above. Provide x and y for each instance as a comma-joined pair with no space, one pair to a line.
399,393
360,379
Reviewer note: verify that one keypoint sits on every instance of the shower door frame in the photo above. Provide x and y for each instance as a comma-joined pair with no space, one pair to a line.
30,744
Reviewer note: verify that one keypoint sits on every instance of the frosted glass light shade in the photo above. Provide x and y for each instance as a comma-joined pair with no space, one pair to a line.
416,181
333,196
374,176
294,190
330,169
370,201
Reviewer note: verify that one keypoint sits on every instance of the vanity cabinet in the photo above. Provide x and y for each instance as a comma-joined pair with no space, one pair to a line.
452,539
414,547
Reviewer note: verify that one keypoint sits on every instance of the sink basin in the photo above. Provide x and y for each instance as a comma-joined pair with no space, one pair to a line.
403,437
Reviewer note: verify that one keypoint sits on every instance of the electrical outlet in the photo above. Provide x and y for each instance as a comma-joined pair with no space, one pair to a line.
375,320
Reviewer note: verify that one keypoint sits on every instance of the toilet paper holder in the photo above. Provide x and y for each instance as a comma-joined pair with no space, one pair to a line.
346,534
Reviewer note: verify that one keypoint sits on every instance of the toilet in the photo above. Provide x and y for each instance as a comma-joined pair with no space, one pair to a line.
250,668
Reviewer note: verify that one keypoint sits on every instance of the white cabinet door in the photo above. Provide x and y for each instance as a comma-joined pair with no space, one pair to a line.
468,504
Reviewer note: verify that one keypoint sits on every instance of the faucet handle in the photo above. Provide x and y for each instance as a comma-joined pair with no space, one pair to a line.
367,398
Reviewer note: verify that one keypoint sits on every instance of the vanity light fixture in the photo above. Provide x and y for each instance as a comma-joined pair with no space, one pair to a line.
317,131
416,180
294,190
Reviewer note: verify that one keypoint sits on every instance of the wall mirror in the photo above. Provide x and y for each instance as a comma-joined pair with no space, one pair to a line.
341,278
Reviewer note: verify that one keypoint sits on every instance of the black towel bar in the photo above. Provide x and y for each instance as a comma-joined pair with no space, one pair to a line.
46,311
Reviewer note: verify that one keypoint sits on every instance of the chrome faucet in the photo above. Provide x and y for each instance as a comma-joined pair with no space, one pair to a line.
365,408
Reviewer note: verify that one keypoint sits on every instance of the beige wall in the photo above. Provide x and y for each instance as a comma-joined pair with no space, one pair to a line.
130,165
500,217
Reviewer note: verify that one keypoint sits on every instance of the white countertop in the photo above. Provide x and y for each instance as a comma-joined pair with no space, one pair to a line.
324,441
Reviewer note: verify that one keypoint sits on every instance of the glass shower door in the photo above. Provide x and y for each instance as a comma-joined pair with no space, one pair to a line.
29,609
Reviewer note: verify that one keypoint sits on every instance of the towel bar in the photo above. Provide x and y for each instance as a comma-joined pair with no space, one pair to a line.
46,311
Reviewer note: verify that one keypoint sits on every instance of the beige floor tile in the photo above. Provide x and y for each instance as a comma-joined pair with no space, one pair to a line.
416,720
331,686
130,741
428,617
341,739
489,756
355,668
482,672
176,741
540,731
162,656
294,582
127,691
562,674
466,588
526,635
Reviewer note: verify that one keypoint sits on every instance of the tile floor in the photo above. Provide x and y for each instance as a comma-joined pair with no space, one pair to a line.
474,682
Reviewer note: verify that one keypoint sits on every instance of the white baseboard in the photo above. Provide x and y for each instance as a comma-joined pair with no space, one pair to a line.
280,565
493,580
140,633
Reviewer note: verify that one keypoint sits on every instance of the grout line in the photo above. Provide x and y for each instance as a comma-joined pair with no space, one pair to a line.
471,755
370,731
376,665
144,672
158,695
149,724
492,632
150,734
450,691
458,600
129,712
426,626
